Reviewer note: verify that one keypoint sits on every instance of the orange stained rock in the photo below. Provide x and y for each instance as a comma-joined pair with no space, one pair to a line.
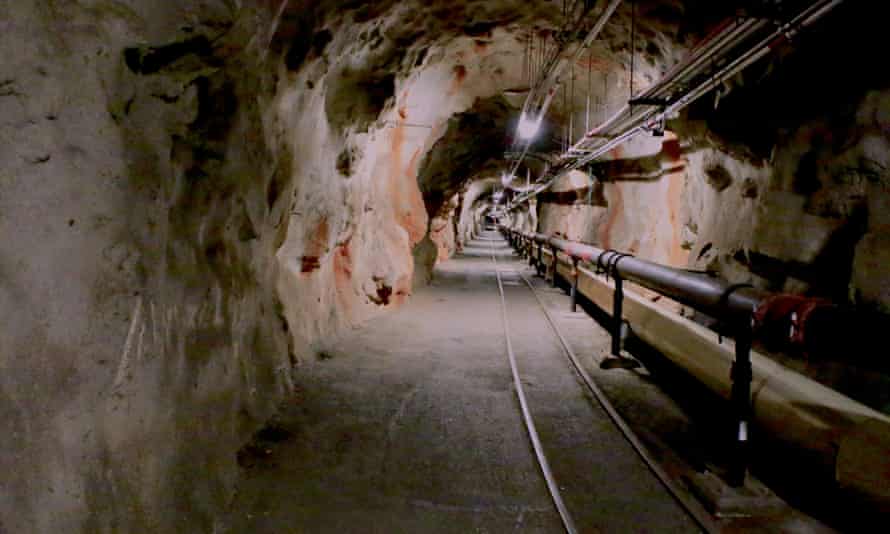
634,247
671,151
616,206
410,211
402,289
594,63
343,277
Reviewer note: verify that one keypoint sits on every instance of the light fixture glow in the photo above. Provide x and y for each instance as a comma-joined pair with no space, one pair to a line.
528,126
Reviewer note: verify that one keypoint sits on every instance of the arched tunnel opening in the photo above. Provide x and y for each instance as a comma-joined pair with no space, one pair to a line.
476,265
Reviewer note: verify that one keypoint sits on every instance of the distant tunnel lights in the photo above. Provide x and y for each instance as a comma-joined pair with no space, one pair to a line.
528,126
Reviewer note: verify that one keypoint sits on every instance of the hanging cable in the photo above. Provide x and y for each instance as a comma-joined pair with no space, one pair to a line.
565,109
572,106
633,47
605,100
525,70
531,56
552,486
589,82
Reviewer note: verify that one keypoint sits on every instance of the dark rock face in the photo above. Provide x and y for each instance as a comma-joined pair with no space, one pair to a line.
718,177
749,188
146,340
358,98
472,142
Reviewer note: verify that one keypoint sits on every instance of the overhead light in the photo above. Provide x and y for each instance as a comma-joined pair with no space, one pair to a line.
528,126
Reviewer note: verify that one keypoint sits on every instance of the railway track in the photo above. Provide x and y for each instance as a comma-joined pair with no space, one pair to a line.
583,380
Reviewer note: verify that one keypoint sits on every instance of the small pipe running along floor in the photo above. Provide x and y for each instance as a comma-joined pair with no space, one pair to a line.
411,424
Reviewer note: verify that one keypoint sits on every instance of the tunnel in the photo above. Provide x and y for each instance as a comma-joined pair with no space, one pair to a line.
277,266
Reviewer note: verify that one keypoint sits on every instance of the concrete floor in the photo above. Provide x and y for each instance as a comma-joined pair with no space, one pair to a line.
411,424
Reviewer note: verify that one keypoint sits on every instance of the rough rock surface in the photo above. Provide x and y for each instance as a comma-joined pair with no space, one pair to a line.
196,196
144,340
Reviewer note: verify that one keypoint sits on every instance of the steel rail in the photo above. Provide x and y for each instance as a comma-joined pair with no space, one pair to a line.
692,507
838,431
695,510
530,427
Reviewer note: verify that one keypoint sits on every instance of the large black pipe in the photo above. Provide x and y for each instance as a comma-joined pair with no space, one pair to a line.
702,291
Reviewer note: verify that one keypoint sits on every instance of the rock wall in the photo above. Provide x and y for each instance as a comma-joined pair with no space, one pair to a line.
143,337
437,89
473,200
443,230
194,196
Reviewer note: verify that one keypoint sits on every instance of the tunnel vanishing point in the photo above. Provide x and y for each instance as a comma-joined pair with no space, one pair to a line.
444,266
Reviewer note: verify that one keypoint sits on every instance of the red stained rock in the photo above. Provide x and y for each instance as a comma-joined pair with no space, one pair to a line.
460,74
316,247
309,264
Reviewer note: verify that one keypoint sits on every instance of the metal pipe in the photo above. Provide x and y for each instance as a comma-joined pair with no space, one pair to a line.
727,39
553,77
839,433
805,18
703,47
684,286
694,64
632,126
734,304
702,291
545,87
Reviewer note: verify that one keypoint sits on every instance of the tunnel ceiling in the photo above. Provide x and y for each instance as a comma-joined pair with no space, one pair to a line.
391,42
472,144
